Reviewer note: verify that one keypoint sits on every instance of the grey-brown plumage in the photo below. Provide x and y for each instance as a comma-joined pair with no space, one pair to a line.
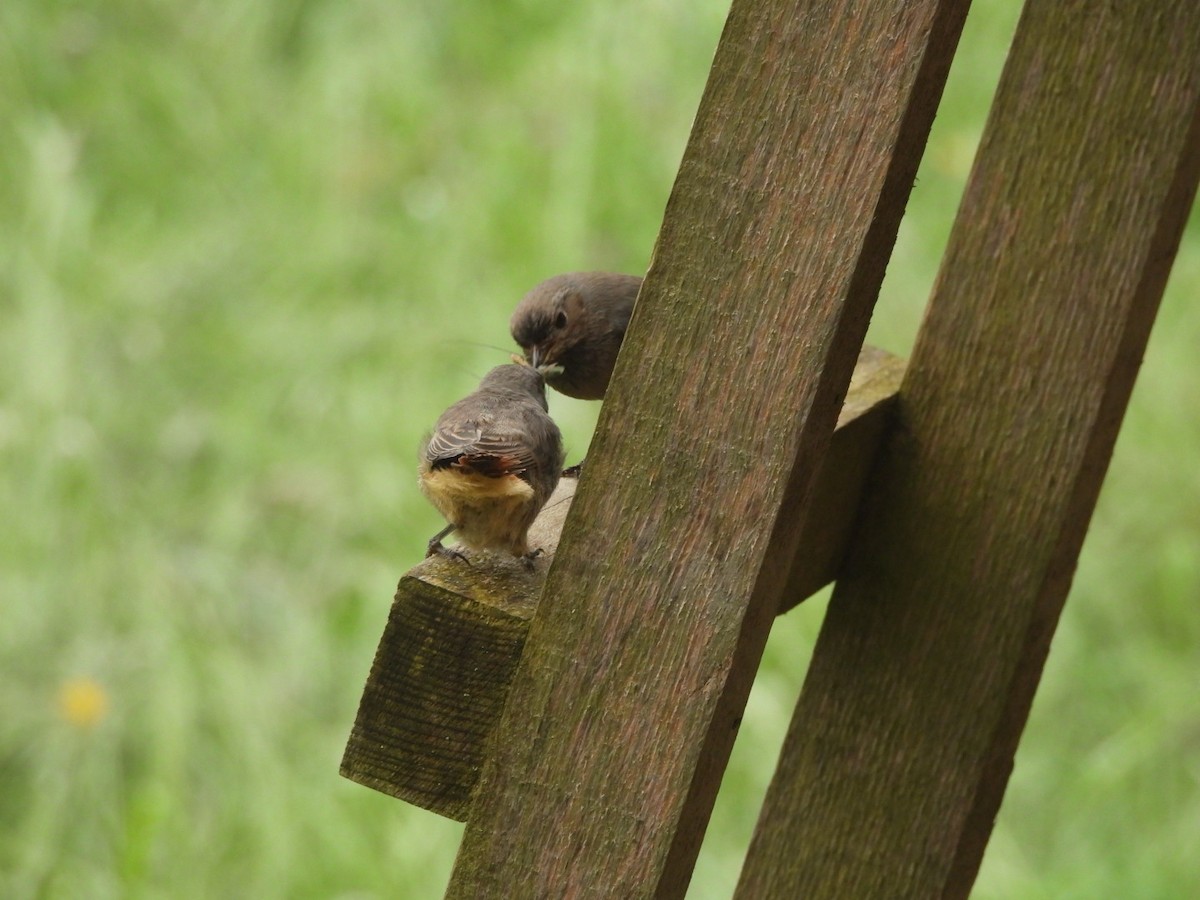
493,461
576,321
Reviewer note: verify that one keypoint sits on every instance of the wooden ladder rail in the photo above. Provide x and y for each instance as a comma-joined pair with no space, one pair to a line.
622,712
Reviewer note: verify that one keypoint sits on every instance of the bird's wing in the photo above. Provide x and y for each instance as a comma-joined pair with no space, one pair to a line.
471,446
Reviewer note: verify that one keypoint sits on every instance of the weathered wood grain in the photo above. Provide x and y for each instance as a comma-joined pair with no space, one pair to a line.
440,677
675,557
904,735
455,632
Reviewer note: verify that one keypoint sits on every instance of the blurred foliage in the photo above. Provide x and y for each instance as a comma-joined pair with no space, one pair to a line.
248,250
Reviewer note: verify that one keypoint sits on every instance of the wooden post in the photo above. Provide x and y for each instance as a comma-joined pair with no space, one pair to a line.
904,735
455,633
626,701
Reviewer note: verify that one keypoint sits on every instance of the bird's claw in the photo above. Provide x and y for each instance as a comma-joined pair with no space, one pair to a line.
528,558
436,548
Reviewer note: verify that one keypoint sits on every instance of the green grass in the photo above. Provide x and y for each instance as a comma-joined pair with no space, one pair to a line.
247,252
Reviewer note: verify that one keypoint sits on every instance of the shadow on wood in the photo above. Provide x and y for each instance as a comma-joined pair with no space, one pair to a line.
456,631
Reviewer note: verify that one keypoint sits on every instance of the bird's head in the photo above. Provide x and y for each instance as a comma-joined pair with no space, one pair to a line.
548,323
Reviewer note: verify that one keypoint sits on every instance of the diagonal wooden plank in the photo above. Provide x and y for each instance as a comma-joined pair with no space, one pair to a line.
904,735
637,665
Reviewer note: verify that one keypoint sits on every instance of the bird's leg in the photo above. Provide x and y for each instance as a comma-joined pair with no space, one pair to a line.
435,542
435,546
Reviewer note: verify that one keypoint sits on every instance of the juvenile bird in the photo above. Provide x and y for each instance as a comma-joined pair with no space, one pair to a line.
576,322
492,462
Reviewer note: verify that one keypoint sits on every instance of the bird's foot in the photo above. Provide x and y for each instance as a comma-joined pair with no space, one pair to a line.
528,558
436,548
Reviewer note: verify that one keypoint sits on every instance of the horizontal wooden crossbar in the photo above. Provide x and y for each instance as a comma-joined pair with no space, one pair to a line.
455,632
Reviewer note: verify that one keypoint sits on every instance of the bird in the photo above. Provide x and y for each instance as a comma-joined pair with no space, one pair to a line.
491,462
575,322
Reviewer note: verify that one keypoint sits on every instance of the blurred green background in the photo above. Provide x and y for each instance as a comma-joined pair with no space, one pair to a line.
248,251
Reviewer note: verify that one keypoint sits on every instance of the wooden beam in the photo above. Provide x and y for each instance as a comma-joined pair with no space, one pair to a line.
455,633
639,659
904,735
832,509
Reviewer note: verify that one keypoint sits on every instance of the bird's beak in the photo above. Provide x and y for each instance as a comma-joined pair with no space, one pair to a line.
535,356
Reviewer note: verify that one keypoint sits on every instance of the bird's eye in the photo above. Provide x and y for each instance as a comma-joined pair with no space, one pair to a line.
560,321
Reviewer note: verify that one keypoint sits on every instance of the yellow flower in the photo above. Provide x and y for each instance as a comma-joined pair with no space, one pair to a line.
83,702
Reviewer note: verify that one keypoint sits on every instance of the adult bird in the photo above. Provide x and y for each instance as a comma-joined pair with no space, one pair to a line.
575,322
